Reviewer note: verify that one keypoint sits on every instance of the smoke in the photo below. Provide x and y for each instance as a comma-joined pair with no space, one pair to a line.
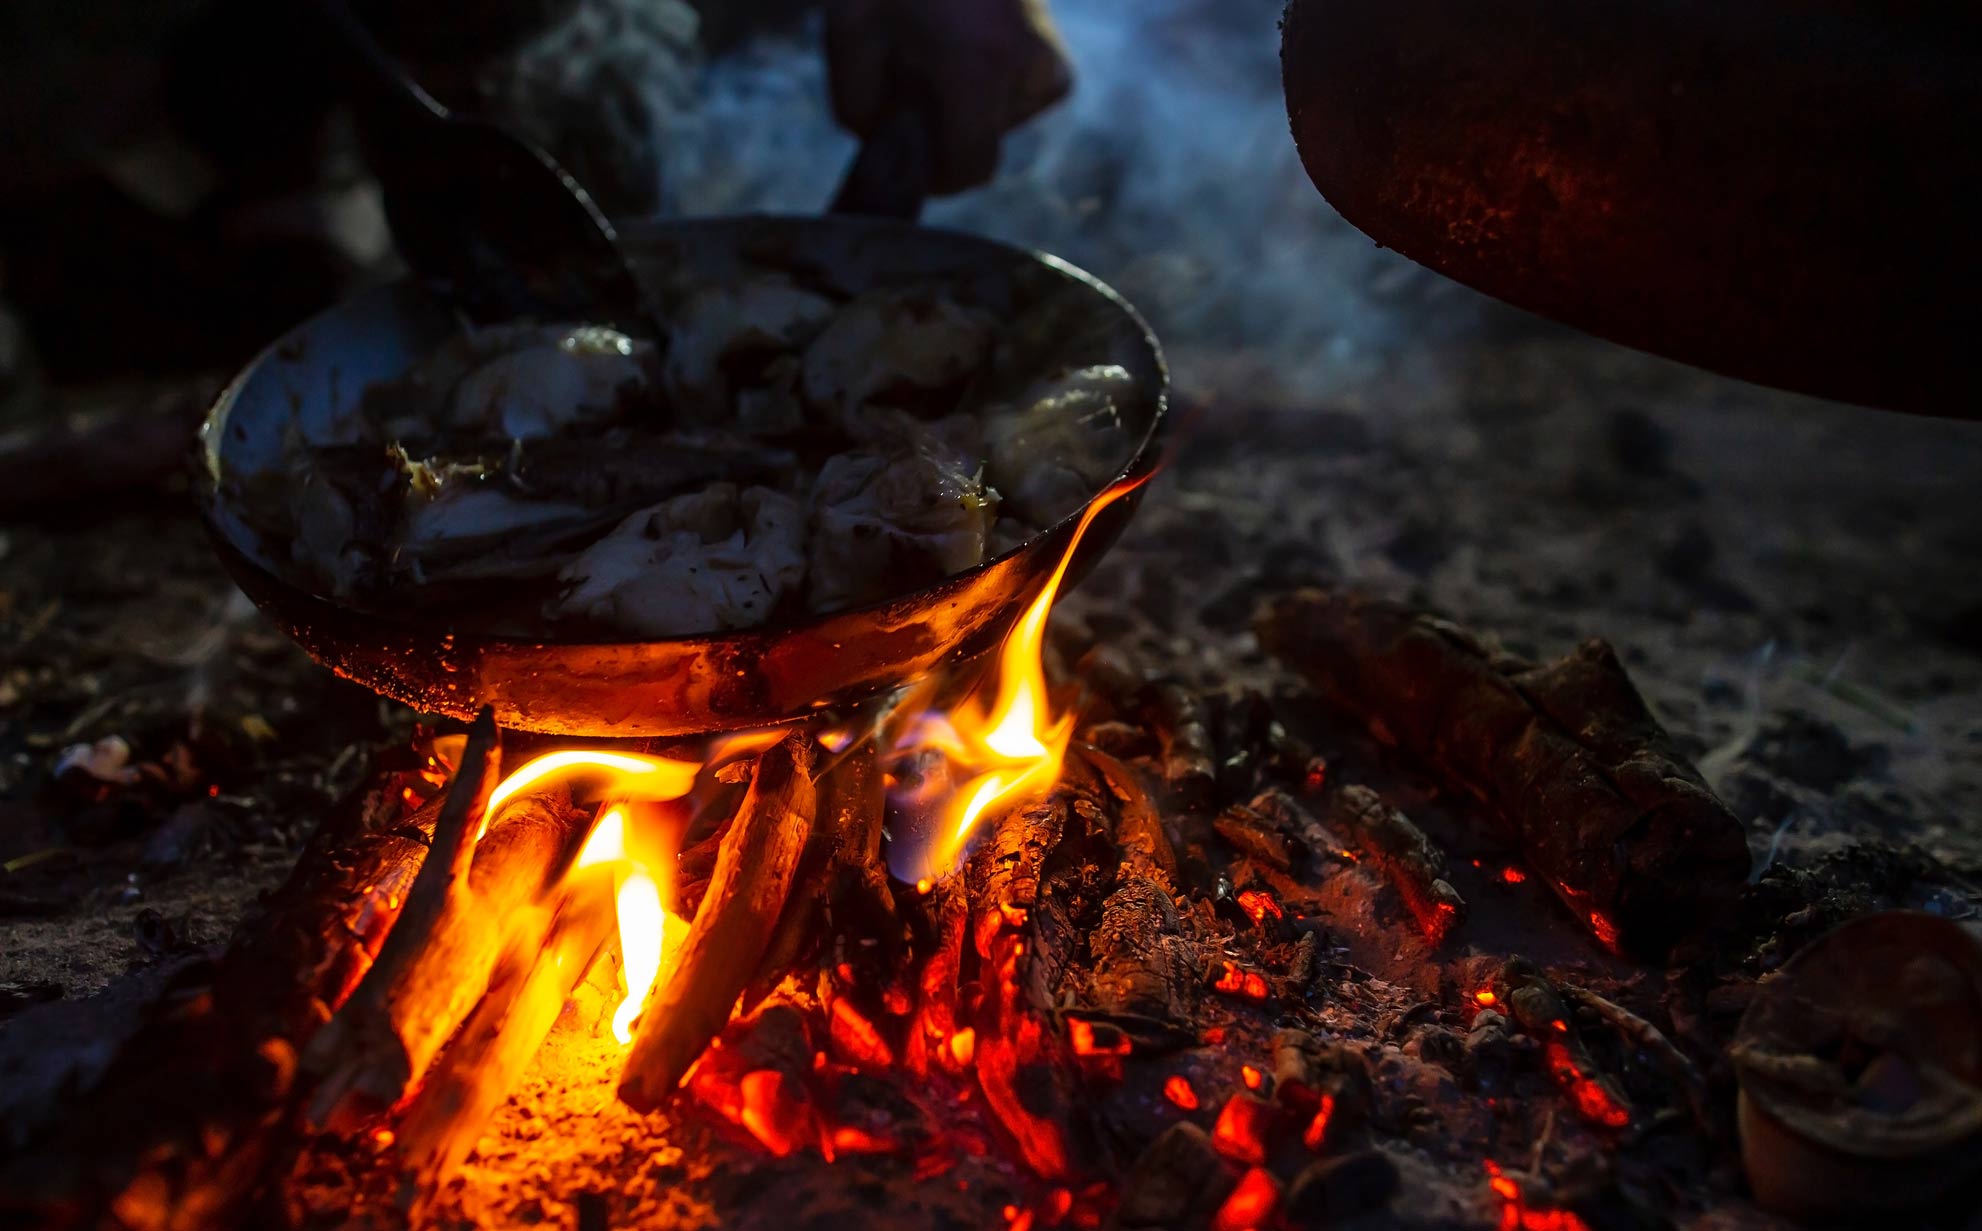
1169,173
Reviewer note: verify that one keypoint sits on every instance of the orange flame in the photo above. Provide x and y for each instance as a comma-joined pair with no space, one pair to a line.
623,775
647,932
1014,743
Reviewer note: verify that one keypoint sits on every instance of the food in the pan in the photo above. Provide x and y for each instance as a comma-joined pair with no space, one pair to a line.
788,450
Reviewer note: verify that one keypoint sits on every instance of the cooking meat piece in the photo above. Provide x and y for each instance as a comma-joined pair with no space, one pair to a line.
1055,445
885,522
534,381
715,559
717,325
896,346
475,529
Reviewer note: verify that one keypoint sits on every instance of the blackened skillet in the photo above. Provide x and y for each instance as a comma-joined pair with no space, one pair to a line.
685,685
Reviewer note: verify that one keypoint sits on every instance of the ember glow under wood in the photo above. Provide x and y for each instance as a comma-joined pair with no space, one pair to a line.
1565,758
1407,858
733,925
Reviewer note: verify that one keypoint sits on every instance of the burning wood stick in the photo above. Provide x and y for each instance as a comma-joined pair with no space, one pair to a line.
1021,931
546,958
1406,857
732,927
1568,762
181,1127
842,861
380,1046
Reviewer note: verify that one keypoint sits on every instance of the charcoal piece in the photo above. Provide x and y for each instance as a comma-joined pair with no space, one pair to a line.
1306,1070
1407,858
1333,1189
1143,965
1540,1009
1256,837
1178,1181
1567,761
1490,1054
1182,723
1139,831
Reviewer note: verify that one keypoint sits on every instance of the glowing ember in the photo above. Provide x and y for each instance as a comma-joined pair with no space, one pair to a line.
1236,982
1606,930
1593,1102
1259,904
1485,998
1251,1203
1316,1133
1252,1076
1241,1130
1513,875
1007,748
1517,1215
1087,1041
1178,1090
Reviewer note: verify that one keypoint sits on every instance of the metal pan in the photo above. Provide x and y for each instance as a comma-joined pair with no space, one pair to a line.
687,685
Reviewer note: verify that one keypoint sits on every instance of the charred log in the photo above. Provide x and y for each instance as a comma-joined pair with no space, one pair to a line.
1565,758
1182,723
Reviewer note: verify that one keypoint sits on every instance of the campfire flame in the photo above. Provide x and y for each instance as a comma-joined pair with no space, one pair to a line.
645,926
1009,745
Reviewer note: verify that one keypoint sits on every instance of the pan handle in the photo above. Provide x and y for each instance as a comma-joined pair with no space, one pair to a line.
889,177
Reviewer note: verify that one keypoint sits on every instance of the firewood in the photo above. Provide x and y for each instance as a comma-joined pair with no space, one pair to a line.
1566,759
1023,933
1143,965
1407,858
1257,837
185,1121
840,870
1139,828
944,918
548,954
733,925
1190,757
379,1047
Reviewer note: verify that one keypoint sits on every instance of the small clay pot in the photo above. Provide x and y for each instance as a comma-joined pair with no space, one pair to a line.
1861,1070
